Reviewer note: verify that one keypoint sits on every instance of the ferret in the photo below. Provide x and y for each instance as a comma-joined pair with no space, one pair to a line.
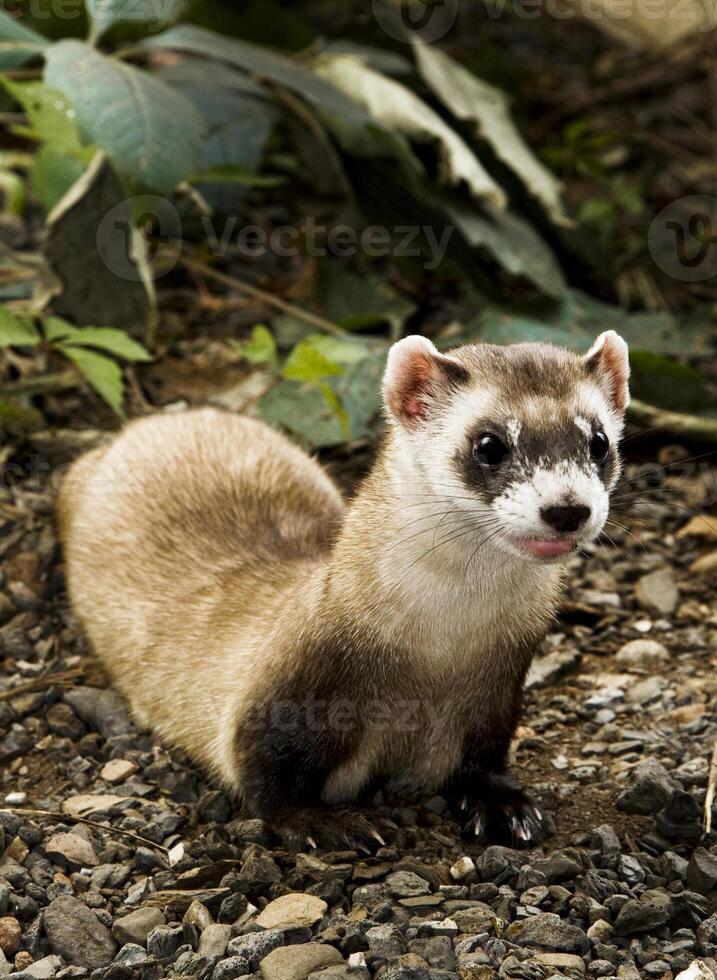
304,649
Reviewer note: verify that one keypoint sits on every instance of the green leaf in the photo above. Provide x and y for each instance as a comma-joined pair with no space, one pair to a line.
108,339
133,116
53,173
337,408
303,409
156,14
576,319
352,125
12,188
306,362
238,115
472,100
264,63
394,106
360,302
515,245
49,112
16,331
18,43
339,350
236,175
102,373
19,418
663,382
260,348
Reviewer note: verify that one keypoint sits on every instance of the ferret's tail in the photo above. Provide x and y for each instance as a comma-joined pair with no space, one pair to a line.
72,488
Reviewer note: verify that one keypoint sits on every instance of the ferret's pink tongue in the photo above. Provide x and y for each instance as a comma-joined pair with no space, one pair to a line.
546,548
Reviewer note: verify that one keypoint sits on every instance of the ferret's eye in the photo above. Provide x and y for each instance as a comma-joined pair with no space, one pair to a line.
489,450
599,445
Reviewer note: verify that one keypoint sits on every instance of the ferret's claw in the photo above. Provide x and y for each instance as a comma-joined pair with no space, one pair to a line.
311,842
376,836
478,825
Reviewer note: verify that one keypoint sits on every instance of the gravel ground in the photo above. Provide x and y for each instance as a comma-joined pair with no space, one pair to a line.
166,879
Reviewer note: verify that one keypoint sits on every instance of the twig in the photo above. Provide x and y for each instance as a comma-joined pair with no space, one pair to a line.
63,817
698,427
20,258
40,683
137,390
269,298
42,384
710,795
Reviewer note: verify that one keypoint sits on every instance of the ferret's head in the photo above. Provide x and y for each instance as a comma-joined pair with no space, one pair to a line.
523,438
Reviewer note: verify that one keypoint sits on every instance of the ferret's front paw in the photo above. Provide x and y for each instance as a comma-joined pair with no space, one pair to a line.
329,828
499,811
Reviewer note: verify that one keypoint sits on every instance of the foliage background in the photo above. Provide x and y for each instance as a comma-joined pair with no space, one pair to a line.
144,138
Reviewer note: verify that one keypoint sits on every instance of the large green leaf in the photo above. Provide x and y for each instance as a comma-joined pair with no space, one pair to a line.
18,43
514,243
151,133
472,100
264,63
102,373
576,319
16,331
394,106
155,14
663,382
304,410
351,124
238,114
360,302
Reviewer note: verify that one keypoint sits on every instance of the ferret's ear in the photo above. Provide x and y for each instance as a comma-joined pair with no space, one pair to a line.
607,361
417,377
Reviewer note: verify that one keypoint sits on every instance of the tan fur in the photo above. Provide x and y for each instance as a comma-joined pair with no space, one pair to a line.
183,540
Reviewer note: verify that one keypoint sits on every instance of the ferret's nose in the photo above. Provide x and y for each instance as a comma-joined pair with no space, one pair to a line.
565,519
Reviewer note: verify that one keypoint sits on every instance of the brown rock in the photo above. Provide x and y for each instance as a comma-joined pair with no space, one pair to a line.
23,960
71,850
657,592
700,526
705,564
294,909
297,962
117,770
10,935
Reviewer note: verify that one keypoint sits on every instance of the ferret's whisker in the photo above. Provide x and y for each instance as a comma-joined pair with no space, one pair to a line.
627,531
446,540
480,544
